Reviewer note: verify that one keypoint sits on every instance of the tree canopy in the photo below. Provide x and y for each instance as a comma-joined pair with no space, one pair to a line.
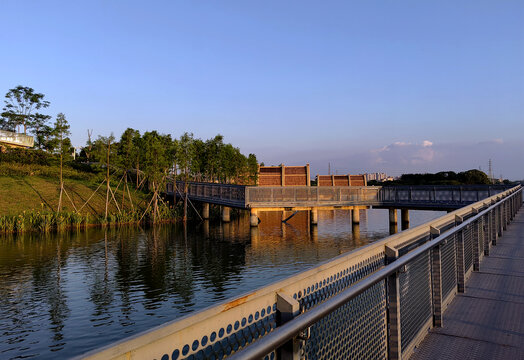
20,110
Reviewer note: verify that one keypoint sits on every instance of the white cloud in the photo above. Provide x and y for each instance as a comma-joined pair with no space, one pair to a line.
427,143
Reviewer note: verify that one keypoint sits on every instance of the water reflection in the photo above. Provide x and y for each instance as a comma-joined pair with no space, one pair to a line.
64,294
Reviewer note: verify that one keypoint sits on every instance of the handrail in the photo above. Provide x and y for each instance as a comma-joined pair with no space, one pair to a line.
323,281
284,333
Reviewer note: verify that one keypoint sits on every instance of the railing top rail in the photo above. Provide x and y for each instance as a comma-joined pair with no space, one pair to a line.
312,187
283,333
212,184
465,186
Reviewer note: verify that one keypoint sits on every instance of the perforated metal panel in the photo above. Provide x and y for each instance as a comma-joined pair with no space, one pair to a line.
415,298
356,330
364,318
468,247
481,235
230,338
319,292
449,265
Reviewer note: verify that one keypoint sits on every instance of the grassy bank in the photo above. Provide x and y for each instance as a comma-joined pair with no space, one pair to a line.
29,196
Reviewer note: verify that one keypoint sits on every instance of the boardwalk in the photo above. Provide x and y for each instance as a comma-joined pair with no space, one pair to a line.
487,321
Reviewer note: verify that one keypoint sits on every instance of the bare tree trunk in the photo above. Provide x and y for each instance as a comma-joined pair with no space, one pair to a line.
137,171
123,190
61,185
107,176
186,190
155,203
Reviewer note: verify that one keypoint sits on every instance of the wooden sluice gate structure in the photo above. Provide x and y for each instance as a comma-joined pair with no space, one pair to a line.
379,301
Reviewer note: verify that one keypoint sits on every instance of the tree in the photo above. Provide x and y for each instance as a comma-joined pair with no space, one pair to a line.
20,108
63,146
184,157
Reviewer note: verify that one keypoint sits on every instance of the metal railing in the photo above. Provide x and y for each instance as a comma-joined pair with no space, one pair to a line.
456,194
448,197
222,194
375,302
268,196
16,139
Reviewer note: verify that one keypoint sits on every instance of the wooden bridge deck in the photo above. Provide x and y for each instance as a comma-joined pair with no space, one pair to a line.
487,321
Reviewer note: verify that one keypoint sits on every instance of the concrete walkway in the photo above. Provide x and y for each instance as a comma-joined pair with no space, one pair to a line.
487,321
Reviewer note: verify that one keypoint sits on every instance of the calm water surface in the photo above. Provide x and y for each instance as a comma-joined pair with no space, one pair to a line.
64,294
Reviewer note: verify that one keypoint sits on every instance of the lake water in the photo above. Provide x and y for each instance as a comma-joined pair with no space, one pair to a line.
64,294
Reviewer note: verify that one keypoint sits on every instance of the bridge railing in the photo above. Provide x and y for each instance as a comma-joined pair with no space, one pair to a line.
16,139
375,302
268,196
439,193
226,194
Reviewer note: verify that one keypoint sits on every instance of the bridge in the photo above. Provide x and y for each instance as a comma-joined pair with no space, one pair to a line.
404,296
353,198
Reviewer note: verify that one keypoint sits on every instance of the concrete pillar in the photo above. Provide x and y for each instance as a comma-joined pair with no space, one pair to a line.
393,228
393,216
355,216
404,214
206,229
314,234
253,219
226,217
314,216
205,211
355,229
255,236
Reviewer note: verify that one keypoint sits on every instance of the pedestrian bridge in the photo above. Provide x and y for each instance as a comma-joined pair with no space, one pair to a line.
377,302
313,198
440,197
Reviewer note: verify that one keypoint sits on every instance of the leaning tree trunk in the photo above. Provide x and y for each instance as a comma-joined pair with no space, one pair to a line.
107,176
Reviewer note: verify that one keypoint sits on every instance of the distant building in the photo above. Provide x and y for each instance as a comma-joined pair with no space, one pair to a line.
377,177
12,139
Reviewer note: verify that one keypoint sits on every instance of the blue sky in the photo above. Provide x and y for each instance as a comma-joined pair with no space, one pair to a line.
395,86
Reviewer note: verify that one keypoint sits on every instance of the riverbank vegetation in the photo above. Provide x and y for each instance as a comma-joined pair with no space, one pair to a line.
470,177
109,180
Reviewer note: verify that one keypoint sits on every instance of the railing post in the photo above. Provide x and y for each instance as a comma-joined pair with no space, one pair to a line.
476,238
499,218
493,226
436,279
393,308
461,268
394,338
485,234
506,217
287,309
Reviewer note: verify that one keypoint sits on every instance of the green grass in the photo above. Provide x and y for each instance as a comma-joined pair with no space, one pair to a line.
38,193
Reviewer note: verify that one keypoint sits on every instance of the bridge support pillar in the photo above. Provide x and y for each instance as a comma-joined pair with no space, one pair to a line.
205,211
393,228
355,230
253,218
314,216
393,219
355,215
404,214
226,214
